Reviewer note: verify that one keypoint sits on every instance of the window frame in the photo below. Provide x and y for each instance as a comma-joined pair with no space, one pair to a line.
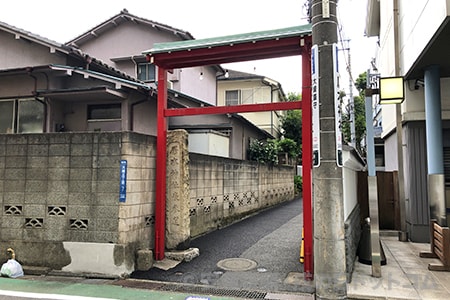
238,100
112,106
147,69
18,117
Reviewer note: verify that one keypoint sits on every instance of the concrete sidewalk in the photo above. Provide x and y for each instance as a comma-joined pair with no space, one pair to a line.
405,276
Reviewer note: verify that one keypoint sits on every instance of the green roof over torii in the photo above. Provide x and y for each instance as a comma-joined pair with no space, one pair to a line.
231,48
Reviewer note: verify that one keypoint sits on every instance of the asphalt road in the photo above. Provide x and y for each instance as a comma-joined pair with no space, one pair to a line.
270,238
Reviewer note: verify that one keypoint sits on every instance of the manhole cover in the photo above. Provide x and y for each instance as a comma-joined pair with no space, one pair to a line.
236,264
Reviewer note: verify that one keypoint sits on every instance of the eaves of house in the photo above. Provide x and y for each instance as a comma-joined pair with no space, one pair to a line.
234,75
108,86
238,75
118,81
90,67
23,34
121,18
83,61
125,16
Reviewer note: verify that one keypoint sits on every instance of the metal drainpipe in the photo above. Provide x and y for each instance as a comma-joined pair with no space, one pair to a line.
403,234
271,101
136,67
35,94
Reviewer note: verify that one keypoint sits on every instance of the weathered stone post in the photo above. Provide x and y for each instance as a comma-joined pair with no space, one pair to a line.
178,230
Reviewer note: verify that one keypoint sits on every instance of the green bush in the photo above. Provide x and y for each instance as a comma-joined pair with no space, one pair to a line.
289,146
298,184
264,151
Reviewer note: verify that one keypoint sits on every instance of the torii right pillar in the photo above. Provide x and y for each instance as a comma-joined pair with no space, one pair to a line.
435,152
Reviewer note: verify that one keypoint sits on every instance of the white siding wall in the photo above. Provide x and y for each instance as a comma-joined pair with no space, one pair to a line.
190,83
209,143
417,25
350,181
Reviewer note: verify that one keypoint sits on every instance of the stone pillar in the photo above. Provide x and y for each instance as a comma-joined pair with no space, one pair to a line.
178,230
435,152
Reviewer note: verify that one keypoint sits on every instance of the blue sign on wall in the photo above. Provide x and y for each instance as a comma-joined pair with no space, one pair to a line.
123,181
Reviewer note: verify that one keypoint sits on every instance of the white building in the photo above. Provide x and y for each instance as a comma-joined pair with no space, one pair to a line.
413,43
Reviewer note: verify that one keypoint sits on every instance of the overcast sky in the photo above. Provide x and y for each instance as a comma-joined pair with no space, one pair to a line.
61,21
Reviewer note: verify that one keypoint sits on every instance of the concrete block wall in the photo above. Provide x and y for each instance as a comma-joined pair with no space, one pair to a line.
276,184
223,190
59,196
136,214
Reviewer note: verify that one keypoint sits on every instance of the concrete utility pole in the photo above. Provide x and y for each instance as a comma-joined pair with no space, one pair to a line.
329,242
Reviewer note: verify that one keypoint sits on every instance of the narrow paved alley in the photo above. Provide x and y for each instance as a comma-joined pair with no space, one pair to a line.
259,253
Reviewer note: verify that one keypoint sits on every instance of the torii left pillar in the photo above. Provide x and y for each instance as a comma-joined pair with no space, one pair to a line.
161,165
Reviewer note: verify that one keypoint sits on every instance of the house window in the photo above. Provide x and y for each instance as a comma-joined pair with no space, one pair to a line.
105,117
236,97
21,116
146,72
247,96
7,116
104,112
232,97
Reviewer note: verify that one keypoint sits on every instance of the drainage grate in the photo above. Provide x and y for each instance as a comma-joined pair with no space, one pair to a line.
214,291
191,289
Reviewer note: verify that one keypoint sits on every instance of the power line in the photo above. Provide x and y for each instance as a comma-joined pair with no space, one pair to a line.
341,40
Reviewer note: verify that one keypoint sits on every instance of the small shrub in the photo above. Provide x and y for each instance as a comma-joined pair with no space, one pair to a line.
298,184
289,146
264,151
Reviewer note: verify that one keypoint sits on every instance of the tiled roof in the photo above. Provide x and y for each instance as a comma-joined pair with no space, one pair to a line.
125,16
235,75
102,64
69,50
18,32
127,81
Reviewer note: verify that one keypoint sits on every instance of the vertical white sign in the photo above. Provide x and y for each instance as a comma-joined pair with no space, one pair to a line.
315,105
337,107
325,9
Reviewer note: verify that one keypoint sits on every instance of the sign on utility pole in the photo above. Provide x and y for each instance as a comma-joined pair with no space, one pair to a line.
329,241
315,105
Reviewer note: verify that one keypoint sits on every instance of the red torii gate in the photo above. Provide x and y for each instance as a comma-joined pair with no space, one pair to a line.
236,48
